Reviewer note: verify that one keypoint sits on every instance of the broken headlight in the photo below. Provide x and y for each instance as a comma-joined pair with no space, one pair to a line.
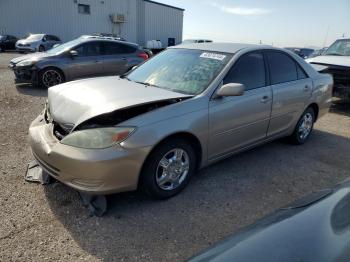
98,138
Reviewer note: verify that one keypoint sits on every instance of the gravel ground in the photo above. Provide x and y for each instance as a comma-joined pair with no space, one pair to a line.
48,223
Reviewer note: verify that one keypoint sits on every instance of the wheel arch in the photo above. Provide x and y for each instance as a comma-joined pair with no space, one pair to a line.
316,109
191,138
52,67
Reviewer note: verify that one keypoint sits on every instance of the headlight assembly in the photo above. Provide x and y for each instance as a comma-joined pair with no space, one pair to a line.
26,63
98,138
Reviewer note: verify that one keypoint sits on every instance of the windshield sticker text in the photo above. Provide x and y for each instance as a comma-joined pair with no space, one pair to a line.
213,56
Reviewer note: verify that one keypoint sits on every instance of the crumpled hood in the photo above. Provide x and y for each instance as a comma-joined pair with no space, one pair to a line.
77,101
34,57
330,60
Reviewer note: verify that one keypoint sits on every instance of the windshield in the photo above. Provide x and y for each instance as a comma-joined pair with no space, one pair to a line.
64,47
181,70
340,48
34,37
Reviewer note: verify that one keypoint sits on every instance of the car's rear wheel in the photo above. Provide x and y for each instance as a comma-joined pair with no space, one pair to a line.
41,49
304,127
168,169
50,77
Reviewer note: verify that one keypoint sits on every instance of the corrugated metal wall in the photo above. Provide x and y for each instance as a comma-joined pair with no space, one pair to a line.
61,17
144,20
162,22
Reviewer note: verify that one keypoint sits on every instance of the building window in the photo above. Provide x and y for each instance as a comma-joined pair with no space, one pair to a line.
83,9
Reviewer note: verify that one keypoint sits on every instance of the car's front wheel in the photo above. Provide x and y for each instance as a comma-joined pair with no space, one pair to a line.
168,169
50,77
304,127
41,49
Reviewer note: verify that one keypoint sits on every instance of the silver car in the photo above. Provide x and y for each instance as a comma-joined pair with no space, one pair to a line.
80,58
182,110
37,43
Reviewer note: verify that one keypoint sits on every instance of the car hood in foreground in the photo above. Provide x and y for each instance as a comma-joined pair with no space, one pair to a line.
330,60
315,228
78,101
33,57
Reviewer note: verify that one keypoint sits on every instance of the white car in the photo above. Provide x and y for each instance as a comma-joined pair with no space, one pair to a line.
37,43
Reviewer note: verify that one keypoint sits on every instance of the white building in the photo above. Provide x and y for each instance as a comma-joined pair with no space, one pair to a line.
135,20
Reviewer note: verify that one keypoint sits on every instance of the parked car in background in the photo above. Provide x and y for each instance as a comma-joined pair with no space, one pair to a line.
80,58
104,36
7,42
37,43
336,61
184,109
302,52
318,52
196,41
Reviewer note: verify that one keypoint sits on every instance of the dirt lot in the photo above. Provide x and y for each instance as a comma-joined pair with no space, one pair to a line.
39,223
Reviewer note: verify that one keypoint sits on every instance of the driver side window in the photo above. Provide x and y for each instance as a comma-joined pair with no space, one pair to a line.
249,70
89,49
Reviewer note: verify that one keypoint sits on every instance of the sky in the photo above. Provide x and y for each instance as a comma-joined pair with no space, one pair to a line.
283,23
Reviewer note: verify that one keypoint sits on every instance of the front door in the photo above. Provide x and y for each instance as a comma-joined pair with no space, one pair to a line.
87,63
237,122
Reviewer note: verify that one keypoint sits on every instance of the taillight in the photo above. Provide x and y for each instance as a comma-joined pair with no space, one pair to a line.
144,56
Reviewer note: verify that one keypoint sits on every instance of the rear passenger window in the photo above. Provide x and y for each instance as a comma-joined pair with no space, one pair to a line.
301,72
249,70
117,48
282,68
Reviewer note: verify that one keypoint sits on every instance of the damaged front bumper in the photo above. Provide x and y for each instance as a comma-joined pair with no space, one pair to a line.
103,171
25,74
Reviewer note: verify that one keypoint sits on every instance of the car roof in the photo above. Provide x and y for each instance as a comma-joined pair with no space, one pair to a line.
89,39
221,47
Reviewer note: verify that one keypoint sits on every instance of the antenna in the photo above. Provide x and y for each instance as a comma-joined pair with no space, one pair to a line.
325,40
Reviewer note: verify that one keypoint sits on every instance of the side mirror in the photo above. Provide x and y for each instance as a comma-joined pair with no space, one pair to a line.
232,89
73,53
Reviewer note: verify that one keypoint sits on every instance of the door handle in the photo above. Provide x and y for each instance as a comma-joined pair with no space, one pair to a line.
306,88
265,99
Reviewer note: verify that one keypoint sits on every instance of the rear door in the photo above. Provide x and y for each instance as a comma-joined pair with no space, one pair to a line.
118,58
237,122
291,89
88,62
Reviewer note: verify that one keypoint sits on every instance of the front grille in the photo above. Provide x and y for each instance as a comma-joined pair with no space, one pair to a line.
61,130
341,74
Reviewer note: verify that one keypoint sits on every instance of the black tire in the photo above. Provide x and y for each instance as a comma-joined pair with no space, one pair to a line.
150,171
45,83
41,49
1,49
298,137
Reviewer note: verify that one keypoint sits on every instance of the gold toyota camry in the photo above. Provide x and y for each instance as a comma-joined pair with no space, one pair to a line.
182,110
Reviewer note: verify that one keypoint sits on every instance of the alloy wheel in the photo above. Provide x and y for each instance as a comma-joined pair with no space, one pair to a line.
51,78
172,169
305,126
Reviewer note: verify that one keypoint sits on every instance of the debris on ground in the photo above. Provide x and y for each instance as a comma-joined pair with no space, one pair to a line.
96,204
35,174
